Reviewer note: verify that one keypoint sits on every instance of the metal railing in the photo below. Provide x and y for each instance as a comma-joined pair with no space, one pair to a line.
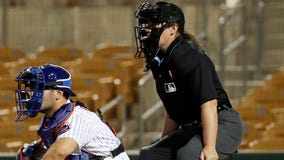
238,42
142,116
117,102
260,35
4,26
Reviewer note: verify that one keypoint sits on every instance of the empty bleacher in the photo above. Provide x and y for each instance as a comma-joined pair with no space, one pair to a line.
11,54
59,54
96,79
262,112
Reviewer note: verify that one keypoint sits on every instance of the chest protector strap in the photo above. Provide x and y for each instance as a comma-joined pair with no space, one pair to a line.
51,128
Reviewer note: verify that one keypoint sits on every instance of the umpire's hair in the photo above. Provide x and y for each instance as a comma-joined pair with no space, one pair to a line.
191,38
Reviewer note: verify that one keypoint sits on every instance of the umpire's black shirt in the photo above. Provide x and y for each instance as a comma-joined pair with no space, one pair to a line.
185,79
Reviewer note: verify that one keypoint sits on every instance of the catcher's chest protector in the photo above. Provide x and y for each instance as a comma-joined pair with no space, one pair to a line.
50,129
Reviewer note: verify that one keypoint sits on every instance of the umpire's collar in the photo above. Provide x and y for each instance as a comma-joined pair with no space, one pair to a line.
172,46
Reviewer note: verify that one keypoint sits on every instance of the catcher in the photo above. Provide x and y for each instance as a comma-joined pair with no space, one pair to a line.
68,131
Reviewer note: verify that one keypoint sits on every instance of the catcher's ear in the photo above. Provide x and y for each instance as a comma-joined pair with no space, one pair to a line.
58,94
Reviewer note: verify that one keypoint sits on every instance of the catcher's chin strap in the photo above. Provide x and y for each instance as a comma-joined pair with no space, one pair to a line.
100,113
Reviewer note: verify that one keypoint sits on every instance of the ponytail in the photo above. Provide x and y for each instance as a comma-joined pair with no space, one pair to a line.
191,38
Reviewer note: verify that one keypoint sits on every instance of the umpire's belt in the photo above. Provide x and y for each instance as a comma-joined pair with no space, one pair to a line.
193,124
222,107
113,153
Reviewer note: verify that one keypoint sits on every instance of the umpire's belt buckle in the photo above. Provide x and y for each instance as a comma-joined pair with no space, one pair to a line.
222,107
187,125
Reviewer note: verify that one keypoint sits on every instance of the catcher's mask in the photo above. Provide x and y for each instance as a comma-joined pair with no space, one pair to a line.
153,19
32,81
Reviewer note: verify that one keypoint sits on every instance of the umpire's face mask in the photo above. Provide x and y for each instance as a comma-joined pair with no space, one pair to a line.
147,40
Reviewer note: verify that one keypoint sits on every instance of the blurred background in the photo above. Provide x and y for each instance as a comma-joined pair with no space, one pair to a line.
94,40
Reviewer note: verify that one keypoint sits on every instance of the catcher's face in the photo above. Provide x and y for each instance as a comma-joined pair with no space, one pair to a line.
48,100
52,100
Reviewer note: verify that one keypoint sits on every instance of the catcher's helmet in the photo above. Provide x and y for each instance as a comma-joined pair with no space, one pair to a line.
32,81
156,17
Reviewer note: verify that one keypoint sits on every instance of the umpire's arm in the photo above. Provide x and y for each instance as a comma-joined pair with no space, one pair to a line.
209,120
169,126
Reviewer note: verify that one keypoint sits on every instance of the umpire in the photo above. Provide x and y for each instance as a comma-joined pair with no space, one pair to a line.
200,122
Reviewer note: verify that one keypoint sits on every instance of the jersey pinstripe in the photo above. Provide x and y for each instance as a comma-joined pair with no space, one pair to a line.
90,132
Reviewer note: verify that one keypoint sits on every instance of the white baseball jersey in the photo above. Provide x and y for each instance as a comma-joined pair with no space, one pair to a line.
92,134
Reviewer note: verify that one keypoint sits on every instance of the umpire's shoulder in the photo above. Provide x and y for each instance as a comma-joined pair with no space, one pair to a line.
186,56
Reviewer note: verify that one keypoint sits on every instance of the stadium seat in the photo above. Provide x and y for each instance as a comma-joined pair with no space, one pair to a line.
276,79
10,144
276,130
14,129
96,90
7,114
257,114
8,83
268,94
118,51
15,134
57,55
262,111
7,106
268,144
4,71
256,120
252,132
123,71
7,98
11,54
